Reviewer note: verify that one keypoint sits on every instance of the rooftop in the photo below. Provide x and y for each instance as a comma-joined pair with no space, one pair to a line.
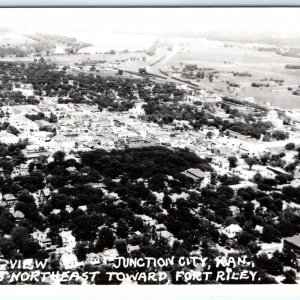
295,240
194,173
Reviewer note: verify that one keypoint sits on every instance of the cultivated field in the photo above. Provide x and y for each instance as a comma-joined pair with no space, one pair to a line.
265,67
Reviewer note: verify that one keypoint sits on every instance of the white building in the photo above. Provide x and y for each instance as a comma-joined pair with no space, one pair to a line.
232,230
42,238
109,255
274,119
68,239
69,261
93,259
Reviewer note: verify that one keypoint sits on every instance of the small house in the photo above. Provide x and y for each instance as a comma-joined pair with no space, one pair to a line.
10,199
42,238
92,259
109,255
68,240
232,230
69,261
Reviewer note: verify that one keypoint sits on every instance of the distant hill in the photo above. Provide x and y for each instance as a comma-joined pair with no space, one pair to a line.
278,40
22,44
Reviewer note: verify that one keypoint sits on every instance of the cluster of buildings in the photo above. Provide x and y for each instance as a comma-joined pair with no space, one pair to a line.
83,127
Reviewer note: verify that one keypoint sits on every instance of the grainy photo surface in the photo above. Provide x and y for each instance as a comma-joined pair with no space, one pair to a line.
149,146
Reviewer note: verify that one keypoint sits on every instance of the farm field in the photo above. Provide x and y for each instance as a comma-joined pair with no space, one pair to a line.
264,67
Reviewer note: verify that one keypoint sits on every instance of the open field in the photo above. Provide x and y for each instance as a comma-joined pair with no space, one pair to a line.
264,67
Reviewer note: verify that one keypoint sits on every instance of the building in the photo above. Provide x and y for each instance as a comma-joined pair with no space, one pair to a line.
35,154
293,243
133,248
44,194
10,199
18,215
68,240
109,255
196,174
148,221
259,228
165,234
274,119
42,238
69,261
92,259
204,178
232,230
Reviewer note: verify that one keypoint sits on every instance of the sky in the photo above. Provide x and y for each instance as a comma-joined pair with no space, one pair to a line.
154,20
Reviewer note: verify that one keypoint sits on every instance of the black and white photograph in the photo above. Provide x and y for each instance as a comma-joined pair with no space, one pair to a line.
149,146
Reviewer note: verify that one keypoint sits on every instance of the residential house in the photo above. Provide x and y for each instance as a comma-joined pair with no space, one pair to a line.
69,261
204,178
35,154
168,236
109,255
148,220
232,230
133,248
68,240
10,199
18,215
42,238
92,259
259,228
44,194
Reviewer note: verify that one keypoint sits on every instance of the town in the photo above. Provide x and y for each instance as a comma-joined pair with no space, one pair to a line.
143,163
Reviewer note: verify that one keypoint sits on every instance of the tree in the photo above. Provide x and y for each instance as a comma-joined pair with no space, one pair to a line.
7,166
232,162
167,202
270,234
291,167
290,146
209,134
257,177
283,178
7,246
280,135
13,130
289,257
121,246
157,182
7,222
248,210
52,118
33,182
122,228
290,191
265,158
298,150
81,250
59,156
25,196
273,266
290,277
250,161
86,226
244,238
105,239
29,248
